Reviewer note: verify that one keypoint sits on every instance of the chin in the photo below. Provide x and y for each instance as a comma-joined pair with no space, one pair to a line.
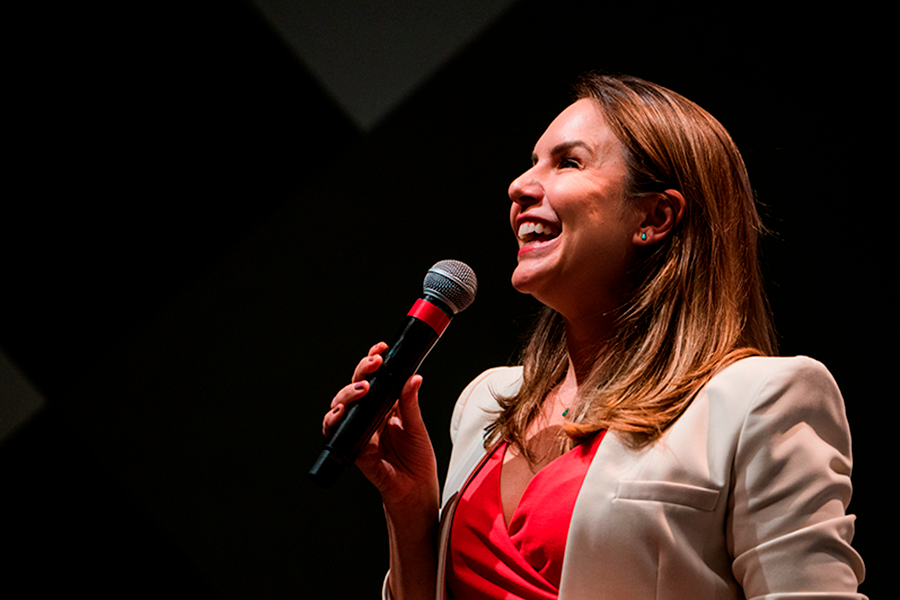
526,282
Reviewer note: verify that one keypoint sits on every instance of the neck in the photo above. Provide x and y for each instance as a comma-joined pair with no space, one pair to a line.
585,344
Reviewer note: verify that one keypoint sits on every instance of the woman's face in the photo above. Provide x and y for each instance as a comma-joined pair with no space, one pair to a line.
576,232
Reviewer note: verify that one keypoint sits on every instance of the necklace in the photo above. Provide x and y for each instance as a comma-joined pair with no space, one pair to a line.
555,392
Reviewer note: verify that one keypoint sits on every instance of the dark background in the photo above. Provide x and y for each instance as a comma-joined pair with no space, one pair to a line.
200,241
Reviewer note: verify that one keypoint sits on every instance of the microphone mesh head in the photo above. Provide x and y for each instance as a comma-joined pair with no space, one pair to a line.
452,282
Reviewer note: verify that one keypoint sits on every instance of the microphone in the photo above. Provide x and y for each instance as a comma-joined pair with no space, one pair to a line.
449,288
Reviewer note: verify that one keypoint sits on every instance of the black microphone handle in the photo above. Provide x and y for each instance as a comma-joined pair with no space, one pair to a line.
362,418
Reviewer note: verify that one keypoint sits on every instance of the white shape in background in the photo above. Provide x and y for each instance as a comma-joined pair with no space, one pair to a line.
19,400
371,55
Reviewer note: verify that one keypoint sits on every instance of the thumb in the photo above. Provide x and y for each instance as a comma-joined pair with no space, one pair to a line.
409,401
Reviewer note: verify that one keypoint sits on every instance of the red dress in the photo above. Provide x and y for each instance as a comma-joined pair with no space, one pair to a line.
490,561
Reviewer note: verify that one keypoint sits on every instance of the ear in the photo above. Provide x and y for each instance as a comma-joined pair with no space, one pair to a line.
661,213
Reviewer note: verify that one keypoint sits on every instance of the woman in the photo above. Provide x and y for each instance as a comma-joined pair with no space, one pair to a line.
647,447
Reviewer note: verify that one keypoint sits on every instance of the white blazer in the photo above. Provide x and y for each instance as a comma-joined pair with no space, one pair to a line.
744,496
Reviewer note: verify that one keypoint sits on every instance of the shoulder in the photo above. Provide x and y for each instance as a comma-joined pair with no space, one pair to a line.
767,384
501,380
764,384
760,370
479,398
756,402
780,402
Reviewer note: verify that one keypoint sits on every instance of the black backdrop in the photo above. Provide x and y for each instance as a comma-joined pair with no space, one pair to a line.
199,245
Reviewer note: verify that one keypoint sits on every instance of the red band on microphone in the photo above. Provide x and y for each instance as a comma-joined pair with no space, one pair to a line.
431,314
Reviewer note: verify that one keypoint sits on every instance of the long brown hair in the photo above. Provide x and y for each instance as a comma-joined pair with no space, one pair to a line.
697,302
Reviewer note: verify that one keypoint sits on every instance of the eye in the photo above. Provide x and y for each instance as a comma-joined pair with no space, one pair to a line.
569,163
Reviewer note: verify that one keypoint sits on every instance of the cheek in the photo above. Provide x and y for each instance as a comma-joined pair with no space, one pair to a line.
602,241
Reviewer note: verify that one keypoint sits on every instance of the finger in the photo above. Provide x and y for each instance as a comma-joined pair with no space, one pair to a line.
366,366
332,418
377,348
350,393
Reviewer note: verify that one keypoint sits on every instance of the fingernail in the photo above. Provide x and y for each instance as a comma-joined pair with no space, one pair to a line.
336,409
359,386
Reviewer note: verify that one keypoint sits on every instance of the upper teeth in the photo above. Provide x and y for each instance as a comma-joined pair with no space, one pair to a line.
527,228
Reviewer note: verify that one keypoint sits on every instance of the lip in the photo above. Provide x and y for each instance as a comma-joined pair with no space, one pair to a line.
535,246
529,218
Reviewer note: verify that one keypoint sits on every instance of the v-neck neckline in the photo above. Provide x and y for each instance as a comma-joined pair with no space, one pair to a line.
502,451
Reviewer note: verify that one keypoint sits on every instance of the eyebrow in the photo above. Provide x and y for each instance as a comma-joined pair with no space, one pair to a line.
562,148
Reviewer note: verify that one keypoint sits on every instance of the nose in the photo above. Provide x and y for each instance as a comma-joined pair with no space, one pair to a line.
526,189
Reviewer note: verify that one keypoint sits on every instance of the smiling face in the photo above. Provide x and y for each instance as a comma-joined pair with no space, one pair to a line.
576,231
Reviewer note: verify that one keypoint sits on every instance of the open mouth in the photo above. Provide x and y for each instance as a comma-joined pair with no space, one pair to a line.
530,232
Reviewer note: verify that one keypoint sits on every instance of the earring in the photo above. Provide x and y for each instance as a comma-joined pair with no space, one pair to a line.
644,236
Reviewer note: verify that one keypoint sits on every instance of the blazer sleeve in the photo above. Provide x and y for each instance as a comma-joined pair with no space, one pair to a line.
787,528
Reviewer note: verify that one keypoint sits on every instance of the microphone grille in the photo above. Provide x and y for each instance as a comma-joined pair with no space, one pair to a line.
453,282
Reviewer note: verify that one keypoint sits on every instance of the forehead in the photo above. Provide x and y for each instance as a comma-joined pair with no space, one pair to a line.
579,122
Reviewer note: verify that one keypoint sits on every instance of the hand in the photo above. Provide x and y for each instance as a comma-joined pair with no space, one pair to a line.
399,459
